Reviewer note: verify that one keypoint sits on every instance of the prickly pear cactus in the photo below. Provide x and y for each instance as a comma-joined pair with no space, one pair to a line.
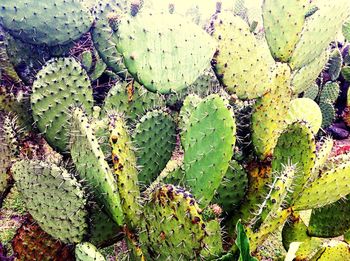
269,113
51,22
54,198
283,23
296,145
209,142
88,252
131,99
240,61
172,225
154,138
125,168
60,84
91,165
154,66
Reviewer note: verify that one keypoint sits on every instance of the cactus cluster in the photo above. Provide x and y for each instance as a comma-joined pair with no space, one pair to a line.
150,127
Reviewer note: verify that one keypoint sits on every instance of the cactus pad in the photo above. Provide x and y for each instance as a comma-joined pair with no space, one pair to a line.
328,113
172,225
314,38
269,112
329,188
54,198
132,100
331,220
124,162
154,138
296,146
311,92
330,92
91,166
304,109
209,142
335,250
88,252
335,64
61,83
283,23
50,22
183,53
240,61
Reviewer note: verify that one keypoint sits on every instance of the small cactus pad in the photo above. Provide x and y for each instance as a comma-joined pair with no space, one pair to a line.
330,92
54,198
330,187
314,38
50,22
88,252
92,167
209,142
182,54
335,64
330,221
154,138
172,225
307,75
296,146
304,109
61,83
328,113
269,112
240,61
125,170
283,23
232,188
311,92
131,99
213,247
32,243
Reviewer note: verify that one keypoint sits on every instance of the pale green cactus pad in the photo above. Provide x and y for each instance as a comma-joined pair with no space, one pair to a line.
182,54
50,22
88,252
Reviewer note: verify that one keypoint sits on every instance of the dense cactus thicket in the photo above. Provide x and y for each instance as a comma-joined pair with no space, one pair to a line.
174,130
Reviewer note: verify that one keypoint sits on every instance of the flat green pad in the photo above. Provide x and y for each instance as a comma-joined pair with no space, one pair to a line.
270,112
328,113
92,167
336,250
283,23
330,187
314,38
311,92
164,52
346,30
304,109
132,100
330,221
88,252
209,141
307,75
60,84
154,138
296,146
54,198
173,227
330,92
51,22
240,61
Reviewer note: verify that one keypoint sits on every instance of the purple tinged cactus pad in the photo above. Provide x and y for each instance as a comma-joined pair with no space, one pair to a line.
60,84
154,139
270,111
172,226
296,145
88,252
283,23
305,109
92,168
329,188
164,52
209,140
314,38
240,61
125,168
54,198
51,22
